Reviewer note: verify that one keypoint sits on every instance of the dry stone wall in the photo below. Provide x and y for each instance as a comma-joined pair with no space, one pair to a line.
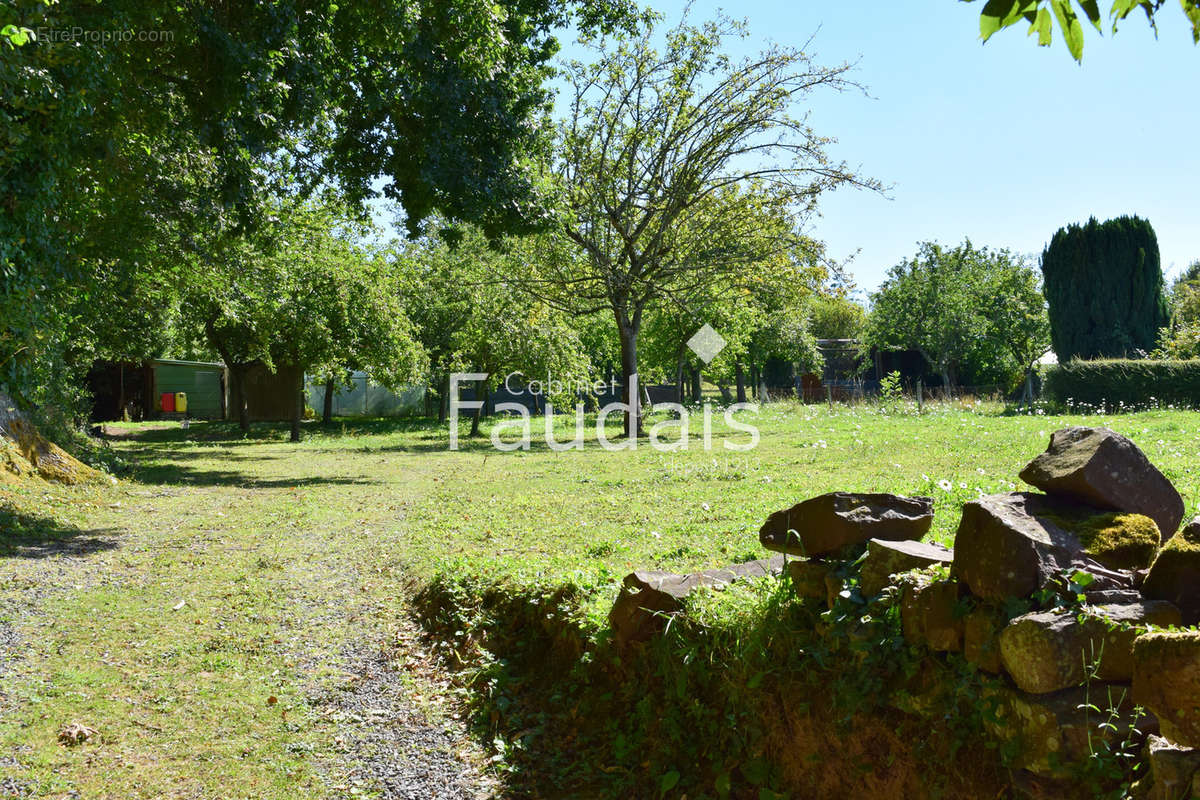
1077,596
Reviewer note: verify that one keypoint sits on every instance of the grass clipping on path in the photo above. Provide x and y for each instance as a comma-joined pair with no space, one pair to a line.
24,452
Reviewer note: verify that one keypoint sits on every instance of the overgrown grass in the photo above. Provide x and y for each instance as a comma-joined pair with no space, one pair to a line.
283,554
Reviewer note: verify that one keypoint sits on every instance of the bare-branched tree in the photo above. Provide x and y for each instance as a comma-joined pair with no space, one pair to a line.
668,163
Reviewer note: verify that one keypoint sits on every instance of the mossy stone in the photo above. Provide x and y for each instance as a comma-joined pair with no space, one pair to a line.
1166,680
1115,539
981,638
1175,574
808,578
1047,651
929,612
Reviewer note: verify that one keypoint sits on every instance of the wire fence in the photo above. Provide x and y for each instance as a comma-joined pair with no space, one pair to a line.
358,397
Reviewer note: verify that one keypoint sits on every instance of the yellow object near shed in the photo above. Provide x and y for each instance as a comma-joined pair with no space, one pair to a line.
181,402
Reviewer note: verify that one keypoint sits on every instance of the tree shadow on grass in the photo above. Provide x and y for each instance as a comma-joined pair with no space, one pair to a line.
182,475
228,433
36,536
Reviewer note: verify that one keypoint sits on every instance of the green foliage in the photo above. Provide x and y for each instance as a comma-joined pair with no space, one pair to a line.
304,289
679,169
1041,15
714,706
1104,286
891,391
472,315
969,311
835,316
1117,384
1181,338
121,154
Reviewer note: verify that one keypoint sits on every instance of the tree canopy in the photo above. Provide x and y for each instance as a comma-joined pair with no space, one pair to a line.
964,309
1042,15
1104,285
472,316
1181,337
304,290
670,161
177,131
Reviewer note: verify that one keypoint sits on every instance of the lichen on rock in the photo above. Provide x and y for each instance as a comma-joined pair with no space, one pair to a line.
25,453
1175,574
1166,680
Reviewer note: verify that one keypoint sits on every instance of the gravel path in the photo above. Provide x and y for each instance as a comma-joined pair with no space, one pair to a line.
402,741
397,728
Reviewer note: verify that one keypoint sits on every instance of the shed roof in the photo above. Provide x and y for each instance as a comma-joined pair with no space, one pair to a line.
180,363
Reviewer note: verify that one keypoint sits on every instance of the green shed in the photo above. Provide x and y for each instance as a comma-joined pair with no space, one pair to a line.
203,381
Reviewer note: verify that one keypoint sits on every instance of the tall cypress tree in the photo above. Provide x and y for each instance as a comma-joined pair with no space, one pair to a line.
1104,285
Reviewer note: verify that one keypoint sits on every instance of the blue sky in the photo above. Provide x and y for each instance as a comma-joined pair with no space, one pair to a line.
1003,142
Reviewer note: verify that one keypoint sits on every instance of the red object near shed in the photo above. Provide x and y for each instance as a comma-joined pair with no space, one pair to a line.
166,401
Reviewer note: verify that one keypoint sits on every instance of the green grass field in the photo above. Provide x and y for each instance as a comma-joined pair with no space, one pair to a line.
190,613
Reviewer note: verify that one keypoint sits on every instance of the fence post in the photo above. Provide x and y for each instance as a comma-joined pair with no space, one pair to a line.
920,396
829,395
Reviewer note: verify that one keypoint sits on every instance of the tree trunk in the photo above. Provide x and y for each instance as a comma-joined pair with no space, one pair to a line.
741,381
696,385
679,381
327,411
297,408
237,377
481,393
443,398
947,387
633,418
121,394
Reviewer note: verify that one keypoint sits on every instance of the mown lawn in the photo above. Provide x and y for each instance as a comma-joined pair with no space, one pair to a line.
192,612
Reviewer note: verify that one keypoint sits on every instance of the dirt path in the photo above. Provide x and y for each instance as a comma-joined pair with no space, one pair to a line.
224,641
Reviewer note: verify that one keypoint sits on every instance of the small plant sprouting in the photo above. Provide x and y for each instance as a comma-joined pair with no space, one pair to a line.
1113,740
891,392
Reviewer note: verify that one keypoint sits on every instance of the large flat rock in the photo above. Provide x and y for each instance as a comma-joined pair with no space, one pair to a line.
827,523
885,559
1101,468
649,597
1013,544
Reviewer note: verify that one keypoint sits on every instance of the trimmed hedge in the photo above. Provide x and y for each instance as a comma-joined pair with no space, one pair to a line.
1104,286
1118,383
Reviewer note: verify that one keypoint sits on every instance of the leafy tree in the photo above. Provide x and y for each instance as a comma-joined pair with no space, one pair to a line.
1181,337
785,330
963,308
471,316
1189,275
1042,15
1105,288
659,148
442,97
303,291
834,315
748,303
1016,313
